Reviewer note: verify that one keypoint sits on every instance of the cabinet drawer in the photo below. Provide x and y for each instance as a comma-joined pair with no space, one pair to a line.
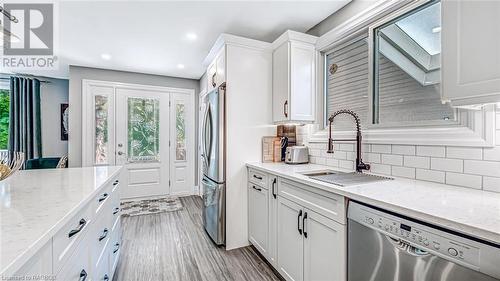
327,204
100,233
103,197
257,177
114,247
66,240
78,266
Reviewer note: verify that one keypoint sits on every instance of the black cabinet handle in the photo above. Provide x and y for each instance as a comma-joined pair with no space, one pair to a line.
304,224
116,182
103,197
83,275
273,189
104,234
257,177
256,188
81,225
117,245
298,222
116,211
105,278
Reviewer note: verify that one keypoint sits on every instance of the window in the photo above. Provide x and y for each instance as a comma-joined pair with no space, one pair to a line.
4,118
143,129
406,74
407,69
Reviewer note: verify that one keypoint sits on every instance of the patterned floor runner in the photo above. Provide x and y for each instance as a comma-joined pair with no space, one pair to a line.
150,206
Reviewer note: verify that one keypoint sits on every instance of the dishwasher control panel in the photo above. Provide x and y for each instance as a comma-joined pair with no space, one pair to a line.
421,236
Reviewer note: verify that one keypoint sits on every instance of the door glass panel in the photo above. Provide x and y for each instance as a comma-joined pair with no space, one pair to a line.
143,130
101,130
180,127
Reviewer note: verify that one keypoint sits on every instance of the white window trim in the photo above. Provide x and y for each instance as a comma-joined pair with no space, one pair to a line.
474,128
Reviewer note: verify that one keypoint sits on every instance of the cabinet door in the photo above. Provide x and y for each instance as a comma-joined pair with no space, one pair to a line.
324,248
273,220
211,76
220,63
258,217
471,51
281,83
302,78
290,244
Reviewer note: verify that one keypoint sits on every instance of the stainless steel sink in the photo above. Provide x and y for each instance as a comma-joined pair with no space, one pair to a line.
345,179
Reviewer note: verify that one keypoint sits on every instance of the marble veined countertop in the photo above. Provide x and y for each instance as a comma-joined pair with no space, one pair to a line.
465,210
35,204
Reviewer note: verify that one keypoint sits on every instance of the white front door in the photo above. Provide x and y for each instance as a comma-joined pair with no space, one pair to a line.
142,135
148,130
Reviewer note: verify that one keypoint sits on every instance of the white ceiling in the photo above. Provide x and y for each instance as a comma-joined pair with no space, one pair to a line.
150,36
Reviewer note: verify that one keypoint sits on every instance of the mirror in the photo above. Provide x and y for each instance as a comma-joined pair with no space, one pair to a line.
407,69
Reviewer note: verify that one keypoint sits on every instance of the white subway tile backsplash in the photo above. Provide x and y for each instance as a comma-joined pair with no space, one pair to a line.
484,168
339,155
346,164
345,146
332,162
380,169
431,175
464,152
417,162
464,180
403,149
391,159
432,151
381,148
450,165
492,154
404,172
370,157
491,184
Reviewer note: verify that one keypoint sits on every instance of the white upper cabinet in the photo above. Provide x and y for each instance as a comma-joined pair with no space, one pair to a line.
471,51
294,78
216,71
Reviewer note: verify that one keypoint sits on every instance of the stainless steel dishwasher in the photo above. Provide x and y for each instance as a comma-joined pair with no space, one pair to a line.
384,246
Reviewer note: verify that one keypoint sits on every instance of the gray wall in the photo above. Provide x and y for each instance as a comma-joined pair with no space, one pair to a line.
51,96
77,73
339,17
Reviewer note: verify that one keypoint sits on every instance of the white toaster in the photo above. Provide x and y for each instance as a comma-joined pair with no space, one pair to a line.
297,155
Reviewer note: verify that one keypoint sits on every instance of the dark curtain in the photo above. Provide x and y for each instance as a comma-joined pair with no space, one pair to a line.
25,134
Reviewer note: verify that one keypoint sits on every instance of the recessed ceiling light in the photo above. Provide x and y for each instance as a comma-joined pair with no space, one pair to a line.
180,66
436,29
191,36
105,56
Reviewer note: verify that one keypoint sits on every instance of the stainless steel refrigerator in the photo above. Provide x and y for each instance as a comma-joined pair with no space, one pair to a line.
214,165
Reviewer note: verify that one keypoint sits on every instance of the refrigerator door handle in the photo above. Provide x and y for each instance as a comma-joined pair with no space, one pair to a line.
207,127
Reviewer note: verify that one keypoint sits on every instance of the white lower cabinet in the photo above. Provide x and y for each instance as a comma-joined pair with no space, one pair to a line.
87,247
290,240
323,248
299,230
258,217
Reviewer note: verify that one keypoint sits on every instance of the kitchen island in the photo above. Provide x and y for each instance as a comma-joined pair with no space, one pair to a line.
60,223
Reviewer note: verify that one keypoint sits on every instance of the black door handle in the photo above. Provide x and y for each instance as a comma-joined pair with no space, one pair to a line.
103,197
117,245
298,222
256,188
104,234
257,177
81,225
83,275
304,224
116,211
273,189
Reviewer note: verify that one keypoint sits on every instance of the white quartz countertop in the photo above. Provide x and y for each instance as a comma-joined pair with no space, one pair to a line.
35,204
465,210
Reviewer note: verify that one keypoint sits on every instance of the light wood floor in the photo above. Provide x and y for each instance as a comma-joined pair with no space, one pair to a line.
174,246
